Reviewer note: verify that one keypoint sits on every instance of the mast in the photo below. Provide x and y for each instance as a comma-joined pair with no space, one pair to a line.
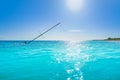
42,33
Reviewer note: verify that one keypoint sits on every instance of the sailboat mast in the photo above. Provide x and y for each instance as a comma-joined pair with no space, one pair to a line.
44,33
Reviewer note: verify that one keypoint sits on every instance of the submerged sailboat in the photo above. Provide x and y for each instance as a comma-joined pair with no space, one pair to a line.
42,34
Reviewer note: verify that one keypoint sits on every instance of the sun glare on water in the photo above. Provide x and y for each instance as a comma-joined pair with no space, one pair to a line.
74,59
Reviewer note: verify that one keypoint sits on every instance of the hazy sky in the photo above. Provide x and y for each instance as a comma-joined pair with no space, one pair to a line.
80,19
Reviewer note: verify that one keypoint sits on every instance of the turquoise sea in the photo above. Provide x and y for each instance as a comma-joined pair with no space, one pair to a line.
60,60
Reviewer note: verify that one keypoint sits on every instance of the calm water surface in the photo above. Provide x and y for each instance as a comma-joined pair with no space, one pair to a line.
59,60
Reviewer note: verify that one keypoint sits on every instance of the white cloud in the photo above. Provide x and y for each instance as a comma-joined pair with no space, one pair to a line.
75,30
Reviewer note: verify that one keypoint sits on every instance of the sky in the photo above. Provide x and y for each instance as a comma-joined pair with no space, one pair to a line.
80,19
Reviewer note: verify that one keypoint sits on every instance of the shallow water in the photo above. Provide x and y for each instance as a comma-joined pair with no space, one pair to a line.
59,60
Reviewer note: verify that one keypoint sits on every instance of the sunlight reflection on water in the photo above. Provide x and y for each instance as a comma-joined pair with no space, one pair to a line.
74,59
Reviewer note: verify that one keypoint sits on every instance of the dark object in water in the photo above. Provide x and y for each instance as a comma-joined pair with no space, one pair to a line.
42,33
25,42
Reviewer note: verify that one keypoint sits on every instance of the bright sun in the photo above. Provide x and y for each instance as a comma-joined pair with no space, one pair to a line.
74,5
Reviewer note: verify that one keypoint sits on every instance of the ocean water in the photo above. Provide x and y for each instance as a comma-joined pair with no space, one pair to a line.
60,60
